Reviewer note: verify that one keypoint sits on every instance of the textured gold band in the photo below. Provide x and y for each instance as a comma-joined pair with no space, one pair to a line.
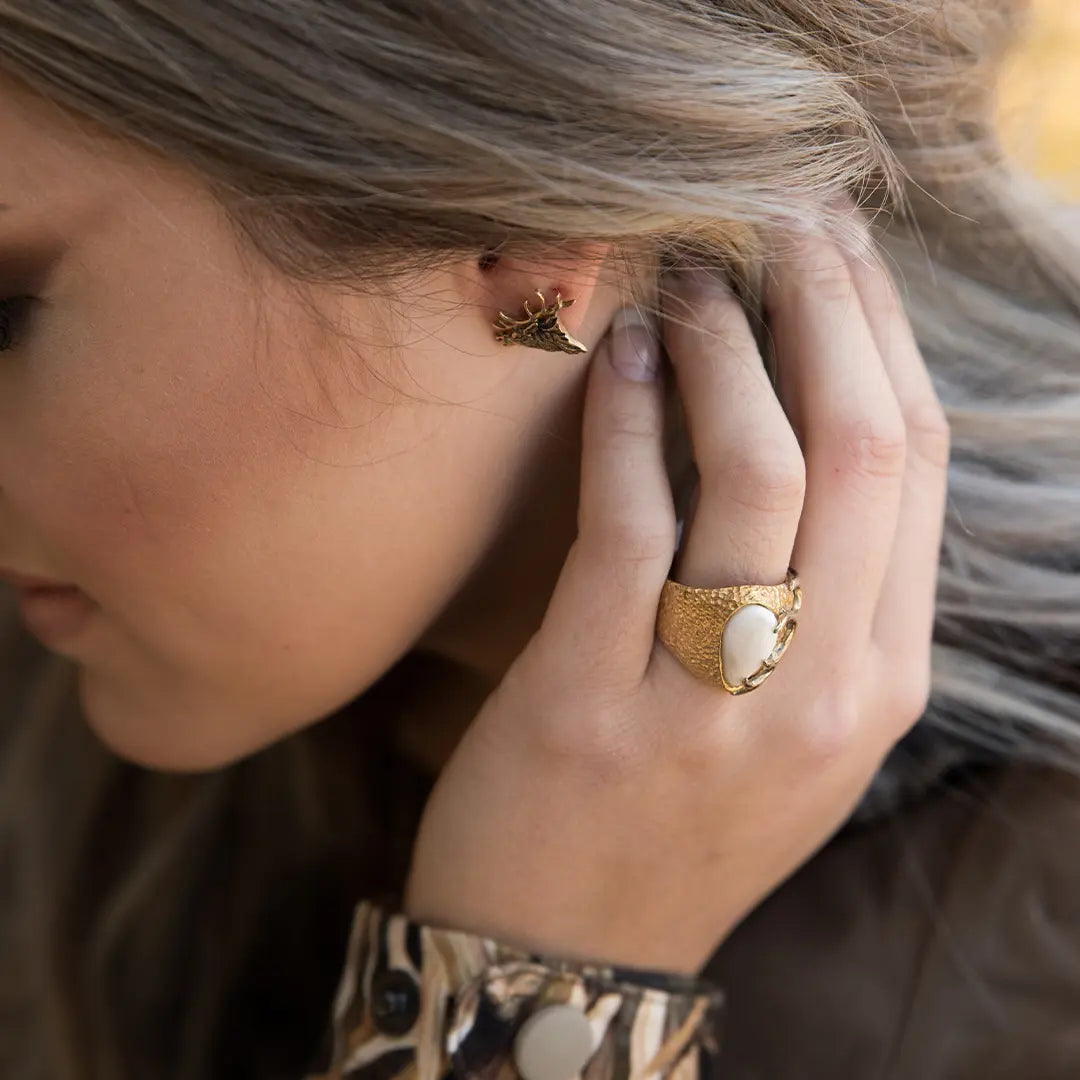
690,622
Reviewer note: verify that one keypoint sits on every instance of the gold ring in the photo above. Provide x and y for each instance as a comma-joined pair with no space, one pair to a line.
731,637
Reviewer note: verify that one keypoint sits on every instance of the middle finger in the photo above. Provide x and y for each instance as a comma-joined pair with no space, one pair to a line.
751,468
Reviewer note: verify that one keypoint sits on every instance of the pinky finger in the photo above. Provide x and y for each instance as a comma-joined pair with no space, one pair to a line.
605,601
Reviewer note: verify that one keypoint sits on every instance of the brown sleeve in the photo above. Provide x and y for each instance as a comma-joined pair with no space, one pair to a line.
942,943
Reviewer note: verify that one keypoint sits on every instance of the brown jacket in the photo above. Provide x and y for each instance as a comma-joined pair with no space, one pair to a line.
942,943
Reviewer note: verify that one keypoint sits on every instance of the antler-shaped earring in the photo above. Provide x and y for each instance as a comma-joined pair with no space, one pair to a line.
540,329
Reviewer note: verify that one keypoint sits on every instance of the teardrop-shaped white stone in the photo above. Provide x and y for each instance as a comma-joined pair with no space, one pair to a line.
749,636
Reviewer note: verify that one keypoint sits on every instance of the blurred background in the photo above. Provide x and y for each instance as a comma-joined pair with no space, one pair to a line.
1039,104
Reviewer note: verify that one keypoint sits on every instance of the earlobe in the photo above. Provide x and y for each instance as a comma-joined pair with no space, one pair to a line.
528,297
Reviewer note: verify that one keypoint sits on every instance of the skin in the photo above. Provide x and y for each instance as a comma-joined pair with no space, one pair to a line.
185,467
272,494
606,804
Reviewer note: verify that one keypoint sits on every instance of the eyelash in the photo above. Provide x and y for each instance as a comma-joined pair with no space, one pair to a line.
14,313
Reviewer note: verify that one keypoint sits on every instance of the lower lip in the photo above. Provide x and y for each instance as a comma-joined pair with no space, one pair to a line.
53,615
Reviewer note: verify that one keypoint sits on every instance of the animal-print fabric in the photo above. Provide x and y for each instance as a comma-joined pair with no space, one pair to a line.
417,1002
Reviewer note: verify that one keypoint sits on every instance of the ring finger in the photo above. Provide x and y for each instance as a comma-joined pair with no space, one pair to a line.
835,385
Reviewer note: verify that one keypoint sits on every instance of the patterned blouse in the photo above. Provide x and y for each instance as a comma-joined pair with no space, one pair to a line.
426,1003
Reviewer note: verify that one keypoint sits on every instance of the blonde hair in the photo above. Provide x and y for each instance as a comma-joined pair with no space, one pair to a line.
165,925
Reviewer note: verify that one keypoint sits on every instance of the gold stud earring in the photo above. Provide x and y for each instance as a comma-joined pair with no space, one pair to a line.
539,329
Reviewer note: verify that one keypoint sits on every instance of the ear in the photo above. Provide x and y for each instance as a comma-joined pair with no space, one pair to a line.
506,282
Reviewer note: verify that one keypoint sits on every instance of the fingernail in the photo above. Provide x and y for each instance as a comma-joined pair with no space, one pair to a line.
635,351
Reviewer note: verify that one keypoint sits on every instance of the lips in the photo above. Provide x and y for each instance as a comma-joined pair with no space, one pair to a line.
55,614
31,581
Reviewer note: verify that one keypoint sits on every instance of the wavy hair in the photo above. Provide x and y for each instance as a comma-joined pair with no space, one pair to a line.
189,927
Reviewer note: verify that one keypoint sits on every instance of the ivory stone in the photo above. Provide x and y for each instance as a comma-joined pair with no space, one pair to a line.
748,639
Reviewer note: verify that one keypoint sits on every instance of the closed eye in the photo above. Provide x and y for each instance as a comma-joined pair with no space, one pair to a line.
14,318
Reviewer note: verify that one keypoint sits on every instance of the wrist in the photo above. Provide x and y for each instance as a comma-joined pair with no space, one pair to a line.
618,935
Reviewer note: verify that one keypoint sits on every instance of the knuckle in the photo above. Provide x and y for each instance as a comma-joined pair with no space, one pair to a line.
568,703
580,737
637,538
633,425
872,448
831,730
831,279
767,482
722,326
929,434
908,701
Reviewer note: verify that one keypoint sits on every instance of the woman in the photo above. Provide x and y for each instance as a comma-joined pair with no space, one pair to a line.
337,421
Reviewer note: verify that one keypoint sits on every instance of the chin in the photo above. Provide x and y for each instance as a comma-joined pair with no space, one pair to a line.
160,738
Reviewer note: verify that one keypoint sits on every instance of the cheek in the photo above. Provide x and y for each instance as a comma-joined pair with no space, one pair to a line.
243,594
259,559
134,478
266,530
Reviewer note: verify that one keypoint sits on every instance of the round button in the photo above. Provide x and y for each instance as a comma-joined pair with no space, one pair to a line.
553,1044
395,1001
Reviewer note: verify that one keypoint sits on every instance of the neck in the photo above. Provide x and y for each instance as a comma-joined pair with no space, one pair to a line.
501,604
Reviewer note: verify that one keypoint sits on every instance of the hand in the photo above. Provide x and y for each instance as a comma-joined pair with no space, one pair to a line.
605,804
